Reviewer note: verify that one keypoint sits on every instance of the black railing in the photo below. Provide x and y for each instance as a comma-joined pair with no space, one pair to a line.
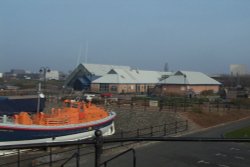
83,149
21,159
99,141
105,163
158,130
75,155
179,104
96,146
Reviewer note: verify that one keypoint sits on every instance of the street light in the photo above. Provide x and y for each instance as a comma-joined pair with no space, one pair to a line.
44,70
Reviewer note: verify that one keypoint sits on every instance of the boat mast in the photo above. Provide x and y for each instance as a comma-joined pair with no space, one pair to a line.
86,52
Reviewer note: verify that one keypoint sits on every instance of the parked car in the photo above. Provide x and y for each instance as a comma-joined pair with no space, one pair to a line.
106,95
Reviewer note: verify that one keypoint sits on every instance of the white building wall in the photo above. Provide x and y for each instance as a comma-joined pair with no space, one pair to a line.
1,75
53,74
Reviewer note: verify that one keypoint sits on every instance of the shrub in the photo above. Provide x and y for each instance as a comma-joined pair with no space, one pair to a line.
240,101
196,109
207,93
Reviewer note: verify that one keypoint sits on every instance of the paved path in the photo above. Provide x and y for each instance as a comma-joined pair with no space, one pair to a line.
191,154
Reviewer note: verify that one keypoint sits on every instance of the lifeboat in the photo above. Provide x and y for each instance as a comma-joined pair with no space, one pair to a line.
74,121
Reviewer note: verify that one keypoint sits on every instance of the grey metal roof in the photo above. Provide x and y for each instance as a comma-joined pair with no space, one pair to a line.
96,70
189,78
132,76
101,69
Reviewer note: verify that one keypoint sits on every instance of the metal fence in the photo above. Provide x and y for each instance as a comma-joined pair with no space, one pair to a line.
174,106
98,143
59,154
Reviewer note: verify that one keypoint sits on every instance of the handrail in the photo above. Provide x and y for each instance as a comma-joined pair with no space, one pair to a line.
70,143
131,149
132,139
73,156
44,145
76,155
116,140
162,125
177,139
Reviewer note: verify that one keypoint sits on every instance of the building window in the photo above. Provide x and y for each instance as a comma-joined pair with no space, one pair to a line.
113,88
138,88
104,87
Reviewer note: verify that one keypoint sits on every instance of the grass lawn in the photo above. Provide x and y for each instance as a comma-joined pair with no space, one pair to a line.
240,133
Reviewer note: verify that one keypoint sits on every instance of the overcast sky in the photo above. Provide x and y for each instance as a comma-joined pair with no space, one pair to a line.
200,35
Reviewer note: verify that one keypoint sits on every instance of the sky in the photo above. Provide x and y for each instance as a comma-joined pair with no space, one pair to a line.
194,35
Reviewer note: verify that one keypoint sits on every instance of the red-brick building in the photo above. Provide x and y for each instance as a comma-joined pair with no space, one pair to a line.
188,82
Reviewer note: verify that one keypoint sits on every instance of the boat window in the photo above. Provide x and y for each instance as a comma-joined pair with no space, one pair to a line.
75,105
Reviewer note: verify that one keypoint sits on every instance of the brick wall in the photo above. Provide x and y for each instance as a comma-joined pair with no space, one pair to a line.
181,89
124,88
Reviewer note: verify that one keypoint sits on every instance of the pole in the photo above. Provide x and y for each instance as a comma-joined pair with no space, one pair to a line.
50,157
44,78
43,71
98,147
78,156
18,158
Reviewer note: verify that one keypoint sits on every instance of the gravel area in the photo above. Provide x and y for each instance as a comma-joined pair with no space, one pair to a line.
129,120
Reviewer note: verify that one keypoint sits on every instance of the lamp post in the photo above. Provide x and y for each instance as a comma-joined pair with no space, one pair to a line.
185,93
43,71
185,84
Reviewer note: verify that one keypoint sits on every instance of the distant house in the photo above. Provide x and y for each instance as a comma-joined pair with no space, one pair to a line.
128,81
84,74
188,82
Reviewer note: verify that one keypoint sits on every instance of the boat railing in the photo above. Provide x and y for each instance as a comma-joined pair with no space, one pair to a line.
5,119
1,119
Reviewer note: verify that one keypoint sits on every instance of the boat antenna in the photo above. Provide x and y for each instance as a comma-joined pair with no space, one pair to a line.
38,97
